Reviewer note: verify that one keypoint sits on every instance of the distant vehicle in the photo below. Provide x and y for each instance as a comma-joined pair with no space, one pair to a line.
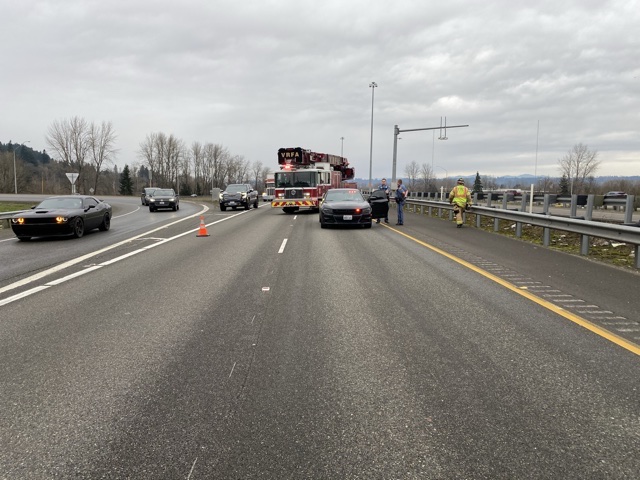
64,215
164,198
146,194
615,195
238,195
270,188
344,206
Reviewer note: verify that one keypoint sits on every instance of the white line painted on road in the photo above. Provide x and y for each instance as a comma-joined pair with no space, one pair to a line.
73,275
75,261
22,295
284,243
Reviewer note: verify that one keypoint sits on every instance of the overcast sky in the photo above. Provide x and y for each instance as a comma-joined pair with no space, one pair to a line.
257,75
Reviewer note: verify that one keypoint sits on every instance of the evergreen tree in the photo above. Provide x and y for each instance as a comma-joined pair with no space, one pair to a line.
126,185
477,184
564,185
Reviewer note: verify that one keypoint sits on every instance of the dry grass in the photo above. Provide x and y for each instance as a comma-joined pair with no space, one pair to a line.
600,249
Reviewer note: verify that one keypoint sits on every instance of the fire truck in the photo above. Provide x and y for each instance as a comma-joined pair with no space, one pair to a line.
305,176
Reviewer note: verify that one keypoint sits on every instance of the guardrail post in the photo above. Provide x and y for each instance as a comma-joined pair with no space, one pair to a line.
628,210
637,254
584,239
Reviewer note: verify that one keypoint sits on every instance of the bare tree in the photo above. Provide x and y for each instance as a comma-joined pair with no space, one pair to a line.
545,184
198,157
578,164
411,171
426,176
101,147
69,139
256,171
147,155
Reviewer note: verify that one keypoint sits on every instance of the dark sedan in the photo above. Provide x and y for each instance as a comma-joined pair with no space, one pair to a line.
344,206
61,216
164,198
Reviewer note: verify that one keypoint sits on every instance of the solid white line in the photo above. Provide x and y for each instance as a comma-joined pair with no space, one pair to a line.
284,242
22,295
73,275
83,258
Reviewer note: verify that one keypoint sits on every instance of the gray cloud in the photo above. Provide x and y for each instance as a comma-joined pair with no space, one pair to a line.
259,75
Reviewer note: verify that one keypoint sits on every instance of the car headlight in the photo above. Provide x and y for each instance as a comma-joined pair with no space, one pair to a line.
152,199
244,195
327,210
61,219
18,221
172,199
366,210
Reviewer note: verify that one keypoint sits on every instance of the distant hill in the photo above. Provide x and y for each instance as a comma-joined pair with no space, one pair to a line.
509,180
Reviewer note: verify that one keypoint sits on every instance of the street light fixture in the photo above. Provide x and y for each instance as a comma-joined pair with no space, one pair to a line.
373,86
15,173
341,146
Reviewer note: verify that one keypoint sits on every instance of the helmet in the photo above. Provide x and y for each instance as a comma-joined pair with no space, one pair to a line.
461,181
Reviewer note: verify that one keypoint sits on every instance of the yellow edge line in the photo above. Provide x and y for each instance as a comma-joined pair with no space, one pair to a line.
583,322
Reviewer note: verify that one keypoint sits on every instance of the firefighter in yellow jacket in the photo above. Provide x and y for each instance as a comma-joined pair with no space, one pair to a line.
460,198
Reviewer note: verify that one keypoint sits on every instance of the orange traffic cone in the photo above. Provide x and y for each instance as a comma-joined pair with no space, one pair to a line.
203,229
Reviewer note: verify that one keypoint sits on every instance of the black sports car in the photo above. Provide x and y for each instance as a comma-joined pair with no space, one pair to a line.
63,215
344,206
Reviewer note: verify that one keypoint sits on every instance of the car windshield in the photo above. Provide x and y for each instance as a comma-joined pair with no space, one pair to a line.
61,202
236,188
344,196
163,193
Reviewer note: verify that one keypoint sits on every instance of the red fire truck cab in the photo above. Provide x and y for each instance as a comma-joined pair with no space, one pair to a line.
305,176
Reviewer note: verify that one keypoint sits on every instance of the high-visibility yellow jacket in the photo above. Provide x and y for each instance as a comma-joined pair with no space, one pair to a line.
460,195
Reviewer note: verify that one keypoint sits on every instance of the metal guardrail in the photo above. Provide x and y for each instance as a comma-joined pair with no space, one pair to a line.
626,233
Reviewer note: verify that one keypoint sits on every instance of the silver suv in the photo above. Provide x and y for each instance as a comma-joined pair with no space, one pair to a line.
238,195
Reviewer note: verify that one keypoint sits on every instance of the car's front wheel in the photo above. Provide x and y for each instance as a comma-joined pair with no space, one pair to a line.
78,227
247,205
106,223
223,208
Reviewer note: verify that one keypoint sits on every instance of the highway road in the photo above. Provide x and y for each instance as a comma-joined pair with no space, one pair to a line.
275,349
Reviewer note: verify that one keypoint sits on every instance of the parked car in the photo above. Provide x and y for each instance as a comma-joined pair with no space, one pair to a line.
62,215
164,198
344,206
615,195
146,195
238,195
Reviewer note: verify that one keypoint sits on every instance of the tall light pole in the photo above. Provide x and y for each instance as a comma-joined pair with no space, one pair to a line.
447,176
15,173
373,86
341,146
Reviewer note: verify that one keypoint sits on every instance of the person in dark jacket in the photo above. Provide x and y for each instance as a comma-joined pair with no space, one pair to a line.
383,186
401,195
